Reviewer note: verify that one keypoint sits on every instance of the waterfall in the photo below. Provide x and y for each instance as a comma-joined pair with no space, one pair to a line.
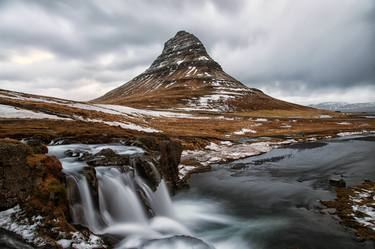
116,200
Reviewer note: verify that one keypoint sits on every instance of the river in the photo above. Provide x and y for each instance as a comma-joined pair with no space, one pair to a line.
272,200
262,202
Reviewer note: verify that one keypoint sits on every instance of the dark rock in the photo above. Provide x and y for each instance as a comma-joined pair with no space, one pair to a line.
15,181
170,156
337,182
27,177
147,169
239,166
107,157
166,155
37,146
74,153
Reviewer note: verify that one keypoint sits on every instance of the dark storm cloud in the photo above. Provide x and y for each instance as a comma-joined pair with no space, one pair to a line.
287,48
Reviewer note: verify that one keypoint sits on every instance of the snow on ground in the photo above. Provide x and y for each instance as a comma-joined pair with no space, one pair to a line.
78,241
209,103
344,123
109,109
198,109
14,112
15,220
286,126
224,152
243,131
325,116
261,120
7,111
16,96
143,112
364,207
353,133
23,227
124,125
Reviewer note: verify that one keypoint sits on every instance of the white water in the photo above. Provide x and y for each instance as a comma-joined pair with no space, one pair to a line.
119,210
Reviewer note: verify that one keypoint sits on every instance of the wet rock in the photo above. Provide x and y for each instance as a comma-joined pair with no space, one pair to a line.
146,168
239,166
337,182
107,157
166,154
75,153
170,156
90,174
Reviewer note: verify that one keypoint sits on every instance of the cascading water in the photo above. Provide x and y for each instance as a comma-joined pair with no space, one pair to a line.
119,206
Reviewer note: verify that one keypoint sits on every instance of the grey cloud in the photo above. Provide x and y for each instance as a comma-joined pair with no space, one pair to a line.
293,47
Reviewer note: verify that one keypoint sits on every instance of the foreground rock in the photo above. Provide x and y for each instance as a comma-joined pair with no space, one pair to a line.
356,208
32,193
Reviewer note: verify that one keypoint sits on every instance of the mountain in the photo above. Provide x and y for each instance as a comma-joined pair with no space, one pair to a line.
346,107
185,77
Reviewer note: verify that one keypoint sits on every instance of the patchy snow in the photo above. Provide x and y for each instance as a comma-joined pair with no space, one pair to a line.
228,143
210,102
16,96
143,112
203,58
179,61
325,116
15,220
130,126
344,123
364,207
243,131
285,126
10,220
183,170
78,241
127,125
353,133
261,120
219,153
7,111
198,109
191,70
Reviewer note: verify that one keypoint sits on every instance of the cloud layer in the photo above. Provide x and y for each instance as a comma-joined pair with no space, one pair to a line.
302,51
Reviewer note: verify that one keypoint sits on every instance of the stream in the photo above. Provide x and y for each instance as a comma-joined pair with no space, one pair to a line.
262,202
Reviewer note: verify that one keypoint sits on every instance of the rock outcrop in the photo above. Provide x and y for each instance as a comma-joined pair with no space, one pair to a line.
28,178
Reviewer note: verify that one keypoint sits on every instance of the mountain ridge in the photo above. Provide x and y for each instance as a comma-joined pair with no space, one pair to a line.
185,77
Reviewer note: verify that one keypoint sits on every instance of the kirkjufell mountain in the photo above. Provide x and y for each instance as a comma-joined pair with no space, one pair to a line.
185,77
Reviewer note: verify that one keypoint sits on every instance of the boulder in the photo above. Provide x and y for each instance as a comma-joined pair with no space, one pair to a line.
337,182
170,156
15,181
32,180
106,157
146,167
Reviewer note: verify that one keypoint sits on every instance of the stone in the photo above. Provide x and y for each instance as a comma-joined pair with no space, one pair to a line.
337,182
107,157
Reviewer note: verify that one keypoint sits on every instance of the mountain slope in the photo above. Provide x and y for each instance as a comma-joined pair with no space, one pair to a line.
346,107
185,77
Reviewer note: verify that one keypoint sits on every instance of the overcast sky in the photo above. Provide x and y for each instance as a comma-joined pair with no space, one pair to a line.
302,51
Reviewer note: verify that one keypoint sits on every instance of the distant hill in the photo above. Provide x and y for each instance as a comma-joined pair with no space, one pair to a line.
346,107
185,77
